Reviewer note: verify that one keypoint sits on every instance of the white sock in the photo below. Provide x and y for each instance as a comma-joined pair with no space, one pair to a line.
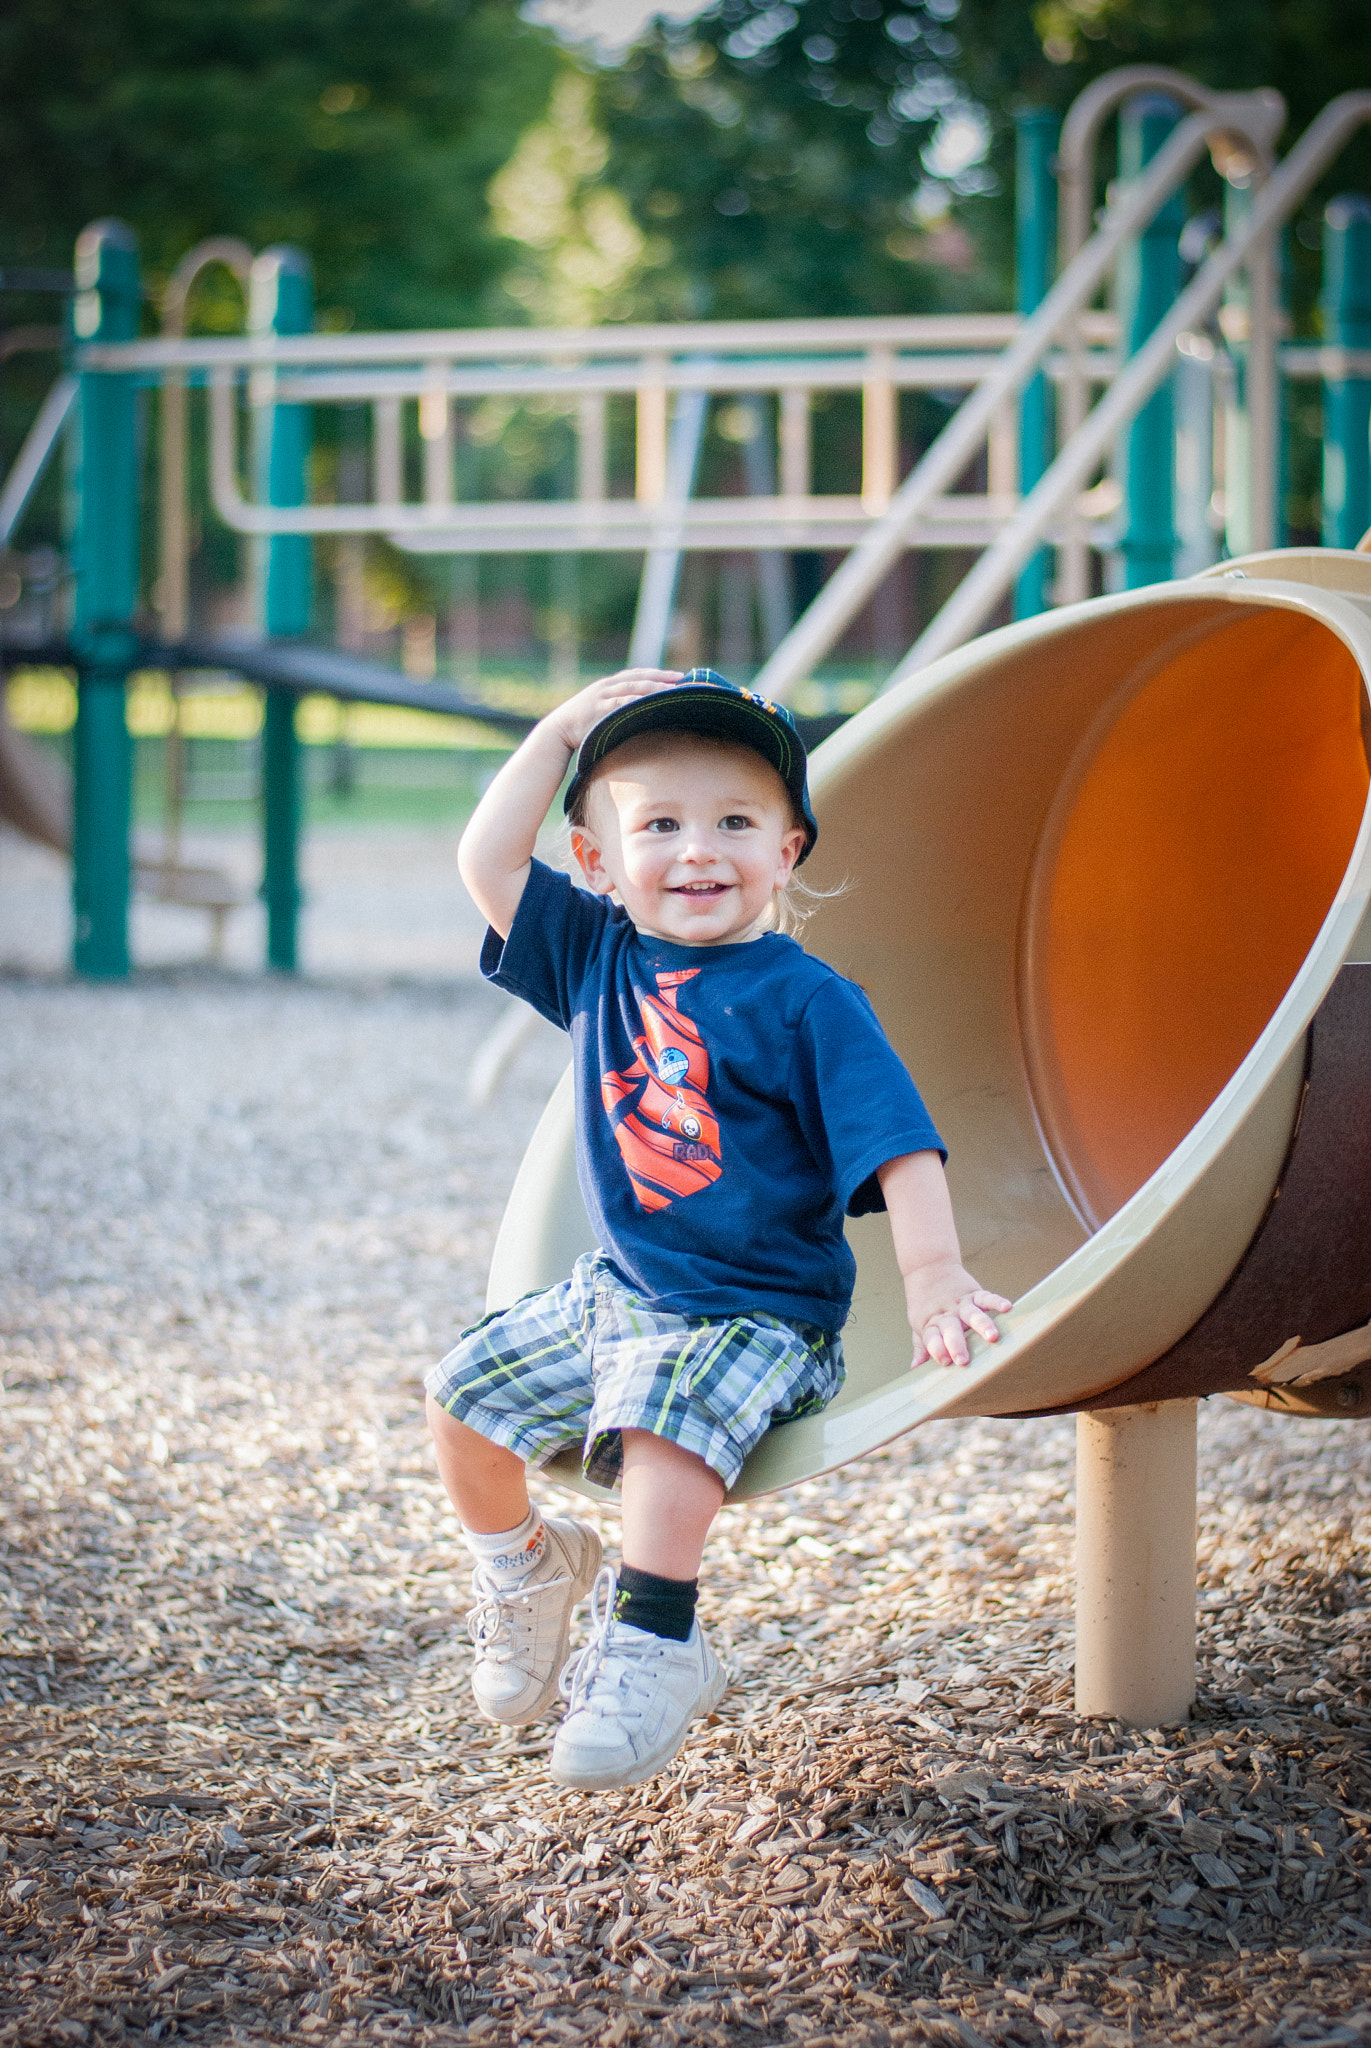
511,1555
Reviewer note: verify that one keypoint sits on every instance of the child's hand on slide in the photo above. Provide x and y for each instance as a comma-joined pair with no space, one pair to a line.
944,1303
581,713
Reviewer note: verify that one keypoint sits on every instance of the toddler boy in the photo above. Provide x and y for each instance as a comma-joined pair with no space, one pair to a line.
734,1100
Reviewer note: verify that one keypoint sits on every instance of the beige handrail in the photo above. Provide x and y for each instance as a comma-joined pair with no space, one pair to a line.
175,542
977,595
174,528
1076,153
849,588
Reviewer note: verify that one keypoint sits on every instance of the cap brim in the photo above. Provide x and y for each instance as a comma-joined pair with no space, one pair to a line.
708,710
703,709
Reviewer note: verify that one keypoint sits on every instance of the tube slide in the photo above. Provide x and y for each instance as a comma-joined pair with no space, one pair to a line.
1107,875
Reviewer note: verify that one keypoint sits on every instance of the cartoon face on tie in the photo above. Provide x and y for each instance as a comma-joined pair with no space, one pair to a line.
658,1108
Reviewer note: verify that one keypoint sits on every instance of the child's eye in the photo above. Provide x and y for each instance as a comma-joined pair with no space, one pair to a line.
736,822
661,825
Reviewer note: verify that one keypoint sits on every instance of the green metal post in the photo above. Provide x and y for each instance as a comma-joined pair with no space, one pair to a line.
280,301
1346,307
1149,280
1035,236
103,505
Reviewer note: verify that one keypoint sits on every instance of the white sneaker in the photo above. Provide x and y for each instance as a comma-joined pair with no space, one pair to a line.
631,1698
520,1635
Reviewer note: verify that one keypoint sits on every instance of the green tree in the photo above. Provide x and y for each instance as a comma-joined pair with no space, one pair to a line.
799,158
1309,50
366,134
798,155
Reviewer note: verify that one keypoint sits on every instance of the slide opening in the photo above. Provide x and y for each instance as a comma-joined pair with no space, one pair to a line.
1193,851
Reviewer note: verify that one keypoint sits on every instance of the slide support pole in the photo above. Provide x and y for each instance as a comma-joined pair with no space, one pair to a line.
281,301
103,523
1135,1563
1035,237
1346,308
1149,284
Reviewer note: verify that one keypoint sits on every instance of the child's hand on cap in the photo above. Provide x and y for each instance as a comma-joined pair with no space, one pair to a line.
582,713
944,1304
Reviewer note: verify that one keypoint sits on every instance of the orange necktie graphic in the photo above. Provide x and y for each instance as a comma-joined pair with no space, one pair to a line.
666,1130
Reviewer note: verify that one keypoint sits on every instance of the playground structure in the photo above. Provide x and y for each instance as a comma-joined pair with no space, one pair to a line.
1131,980
1186,430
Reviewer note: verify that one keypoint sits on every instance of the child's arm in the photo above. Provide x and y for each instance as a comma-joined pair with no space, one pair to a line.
942,1298
497,847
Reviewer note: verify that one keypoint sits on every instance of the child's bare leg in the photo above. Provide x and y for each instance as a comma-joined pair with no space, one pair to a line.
485,1482
649,1671
670,1499
530,1571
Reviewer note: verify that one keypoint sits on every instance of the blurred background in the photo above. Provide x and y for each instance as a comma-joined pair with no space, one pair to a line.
457,163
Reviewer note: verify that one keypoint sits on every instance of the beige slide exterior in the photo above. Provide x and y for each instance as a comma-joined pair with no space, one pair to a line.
1101,869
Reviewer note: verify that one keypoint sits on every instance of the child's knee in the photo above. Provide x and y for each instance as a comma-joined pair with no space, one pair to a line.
459,1438
645,1450
443,1428
645,1443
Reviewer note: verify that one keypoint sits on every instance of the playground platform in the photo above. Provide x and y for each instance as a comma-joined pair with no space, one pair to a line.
246,1794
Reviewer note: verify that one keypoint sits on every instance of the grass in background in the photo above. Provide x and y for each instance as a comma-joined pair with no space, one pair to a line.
362,786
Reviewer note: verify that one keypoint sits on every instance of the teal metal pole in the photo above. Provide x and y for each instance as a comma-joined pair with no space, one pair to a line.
281,301
1346,306
1149,280
1035,236
103,519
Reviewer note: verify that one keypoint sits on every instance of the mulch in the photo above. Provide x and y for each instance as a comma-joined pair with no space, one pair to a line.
244,1795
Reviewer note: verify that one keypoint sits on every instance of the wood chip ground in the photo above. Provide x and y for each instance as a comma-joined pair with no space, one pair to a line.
245,1796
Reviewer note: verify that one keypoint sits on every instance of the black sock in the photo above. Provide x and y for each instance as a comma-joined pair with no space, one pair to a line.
664,1607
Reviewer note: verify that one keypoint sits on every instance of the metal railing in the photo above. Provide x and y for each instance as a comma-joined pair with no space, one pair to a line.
671,373
977,595
1066,304
35,452
1244,152
654,366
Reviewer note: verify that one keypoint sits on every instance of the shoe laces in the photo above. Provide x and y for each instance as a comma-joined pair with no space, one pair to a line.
503,1614
621,1670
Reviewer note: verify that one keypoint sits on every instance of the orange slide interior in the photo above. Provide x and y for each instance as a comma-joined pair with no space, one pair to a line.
1181,882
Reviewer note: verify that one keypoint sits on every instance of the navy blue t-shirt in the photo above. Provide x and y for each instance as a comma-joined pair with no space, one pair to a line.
732,1103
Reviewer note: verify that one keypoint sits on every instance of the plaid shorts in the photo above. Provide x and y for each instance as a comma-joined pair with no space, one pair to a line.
590,1358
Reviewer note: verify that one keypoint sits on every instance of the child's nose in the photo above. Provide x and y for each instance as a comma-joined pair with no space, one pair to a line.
699,844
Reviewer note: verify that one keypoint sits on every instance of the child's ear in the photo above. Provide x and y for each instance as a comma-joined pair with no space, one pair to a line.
792,846
590,862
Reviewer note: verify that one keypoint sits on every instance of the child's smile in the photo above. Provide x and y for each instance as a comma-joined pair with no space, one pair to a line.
694,837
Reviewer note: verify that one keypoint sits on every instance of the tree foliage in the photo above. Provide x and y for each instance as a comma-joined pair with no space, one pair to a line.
768,157
1310,50
797,157
583,252
781,152
366,134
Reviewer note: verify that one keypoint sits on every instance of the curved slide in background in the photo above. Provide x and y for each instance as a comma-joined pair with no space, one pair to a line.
1104,867
34,797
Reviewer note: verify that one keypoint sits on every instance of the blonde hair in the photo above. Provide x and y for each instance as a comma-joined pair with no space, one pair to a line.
792,907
